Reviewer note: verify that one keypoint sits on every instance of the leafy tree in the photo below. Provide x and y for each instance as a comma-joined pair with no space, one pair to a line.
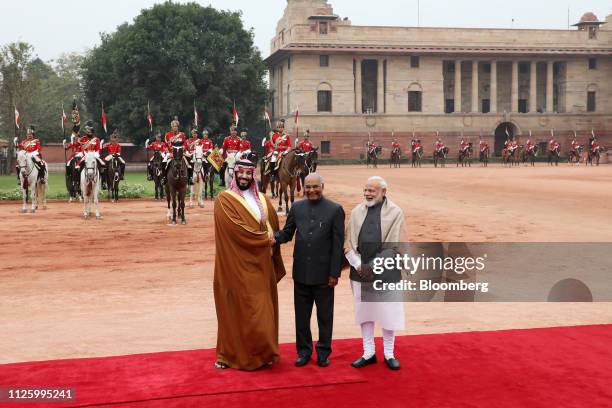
172,55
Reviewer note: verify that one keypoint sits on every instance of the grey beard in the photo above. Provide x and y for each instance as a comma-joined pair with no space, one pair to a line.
372,203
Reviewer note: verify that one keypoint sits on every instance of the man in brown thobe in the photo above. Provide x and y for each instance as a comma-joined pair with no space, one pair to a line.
247,270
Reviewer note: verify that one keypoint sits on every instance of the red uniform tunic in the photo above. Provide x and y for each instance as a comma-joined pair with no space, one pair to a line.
552,144
156,146
207,144
575,145
30,146
305,146
529,145
245,145
395,145
416,146
594,146
76,148
191,144
483,145
269,147
230,144
371,146
113,148
90,144
171,137
282,143
439,146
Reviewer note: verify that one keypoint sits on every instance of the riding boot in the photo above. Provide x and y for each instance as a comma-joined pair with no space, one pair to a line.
42,172
122,171
149,172
165,172
190,176
221,175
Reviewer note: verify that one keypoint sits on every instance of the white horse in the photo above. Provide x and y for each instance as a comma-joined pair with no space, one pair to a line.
199,177
28,177
231,160
90,184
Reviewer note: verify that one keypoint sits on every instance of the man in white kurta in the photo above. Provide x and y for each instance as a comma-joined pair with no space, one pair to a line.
375,222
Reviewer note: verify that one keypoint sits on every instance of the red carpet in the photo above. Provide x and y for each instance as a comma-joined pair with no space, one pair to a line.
555,367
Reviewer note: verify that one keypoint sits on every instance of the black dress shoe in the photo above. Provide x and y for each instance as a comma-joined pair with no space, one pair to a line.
362,362
323,363
392,363
302,361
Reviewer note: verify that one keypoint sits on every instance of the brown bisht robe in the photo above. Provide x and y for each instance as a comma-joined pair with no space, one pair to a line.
246,274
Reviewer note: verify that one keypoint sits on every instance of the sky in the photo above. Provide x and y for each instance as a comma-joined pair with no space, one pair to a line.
57,26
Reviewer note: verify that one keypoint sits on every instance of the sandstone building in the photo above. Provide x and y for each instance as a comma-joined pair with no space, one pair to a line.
349,82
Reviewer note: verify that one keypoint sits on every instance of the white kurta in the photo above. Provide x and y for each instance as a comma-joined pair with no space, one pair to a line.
250,199
388,315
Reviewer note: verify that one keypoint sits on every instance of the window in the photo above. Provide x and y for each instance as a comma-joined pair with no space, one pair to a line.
324,60
522,107
325,147
449,106
414,101
450,67
324,101
486,105
289,63
323,27
486,68
592,63
523,68
414,61
591,101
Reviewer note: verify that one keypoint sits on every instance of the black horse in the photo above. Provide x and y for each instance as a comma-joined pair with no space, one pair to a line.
113,177
529,155
465,156
440,156
417,155
311,160
396,155
156,172
73,180
176,184
553,156
372,156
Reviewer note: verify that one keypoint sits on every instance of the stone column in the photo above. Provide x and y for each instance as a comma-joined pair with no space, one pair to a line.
549,86
533,87
475,99
358,97
515,91
493,97
380,100
458,86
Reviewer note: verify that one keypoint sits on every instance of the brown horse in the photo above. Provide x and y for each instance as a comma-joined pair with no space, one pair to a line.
465,156
268,176
484,156
288,174
396,155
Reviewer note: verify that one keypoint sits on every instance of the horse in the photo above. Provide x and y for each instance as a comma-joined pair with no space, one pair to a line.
594,156
176,184
311,159
465,156
529,155
553,156
417,155
292,165
73,181
269,174
199,177
439,156
90,184
372,156
484,156
510,158
574,156
157,175
28,177
231,160
396,155
113,177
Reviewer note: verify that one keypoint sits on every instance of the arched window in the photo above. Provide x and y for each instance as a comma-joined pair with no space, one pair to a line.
415,97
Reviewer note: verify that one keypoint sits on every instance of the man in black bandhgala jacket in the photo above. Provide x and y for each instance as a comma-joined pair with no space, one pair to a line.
317,261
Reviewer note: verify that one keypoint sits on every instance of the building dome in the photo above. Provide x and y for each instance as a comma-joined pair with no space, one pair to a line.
589,17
